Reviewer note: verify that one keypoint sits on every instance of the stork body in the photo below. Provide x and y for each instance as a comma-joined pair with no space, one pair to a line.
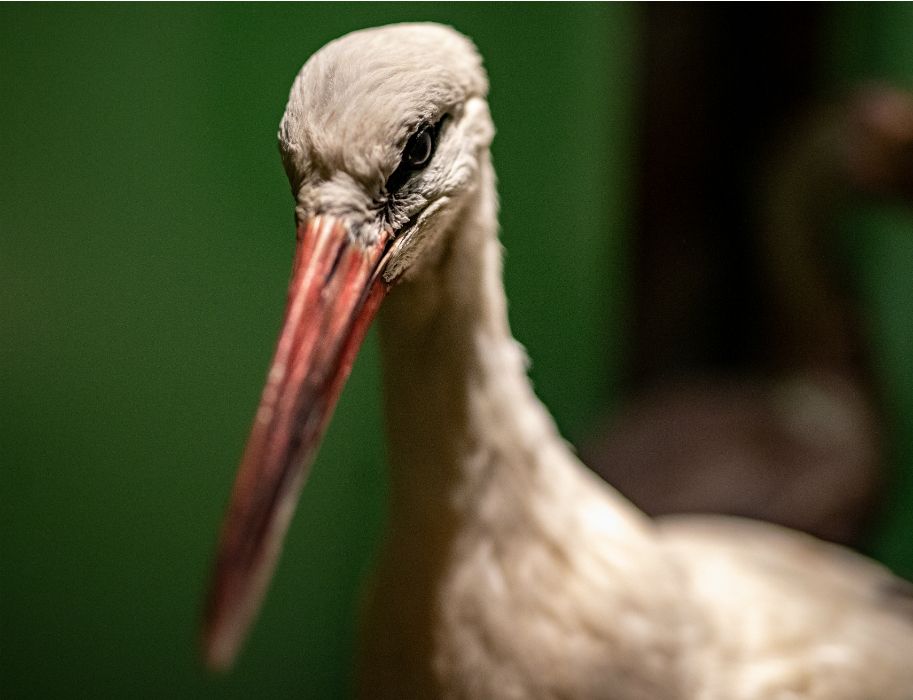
509,570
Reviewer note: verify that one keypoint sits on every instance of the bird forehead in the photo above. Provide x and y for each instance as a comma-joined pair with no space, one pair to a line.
356,100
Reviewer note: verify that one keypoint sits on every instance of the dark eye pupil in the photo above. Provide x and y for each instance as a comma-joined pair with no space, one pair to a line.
418,150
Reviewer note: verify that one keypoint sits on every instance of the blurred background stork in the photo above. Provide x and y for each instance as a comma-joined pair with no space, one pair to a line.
142,221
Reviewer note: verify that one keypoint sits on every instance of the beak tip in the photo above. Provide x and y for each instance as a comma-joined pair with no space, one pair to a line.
217,652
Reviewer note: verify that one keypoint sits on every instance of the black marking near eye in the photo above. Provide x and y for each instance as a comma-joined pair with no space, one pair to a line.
417,154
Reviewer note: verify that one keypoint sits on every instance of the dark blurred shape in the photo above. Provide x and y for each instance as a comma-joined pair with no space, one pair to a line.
719,82
750,377
881,159
803,451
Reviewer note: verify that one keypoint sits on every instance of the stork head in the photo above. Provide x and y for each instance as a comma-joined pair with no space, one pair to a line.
383,131
382,139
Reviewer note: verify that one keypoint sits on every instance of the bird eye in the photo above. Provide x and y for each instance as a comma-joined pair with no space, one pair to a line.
418,149
416,155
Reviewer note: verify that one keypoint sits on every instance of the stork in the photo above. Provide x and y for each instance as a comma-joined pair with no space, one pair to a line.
509,570
798,439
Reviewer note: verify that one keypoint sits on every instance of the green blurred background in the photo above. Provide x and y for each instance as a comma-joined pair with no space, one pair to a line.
146,234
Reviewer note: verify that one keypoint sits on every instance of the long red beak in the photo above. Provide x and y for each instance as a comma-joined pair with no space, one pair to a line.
334,294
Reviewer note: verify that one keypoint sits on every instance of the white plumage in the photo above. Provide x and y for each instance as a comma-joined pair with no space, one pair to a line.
509,570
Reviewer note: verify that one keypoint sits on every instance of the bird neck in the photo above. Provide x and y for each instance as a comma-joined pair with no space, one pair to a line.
462,419
484,494
813,314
